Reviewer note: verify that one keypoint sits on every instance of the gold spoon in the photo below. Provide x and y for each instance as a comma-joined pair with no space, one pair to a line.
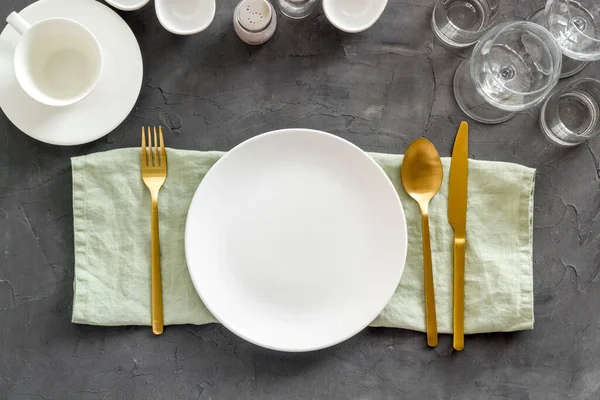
422,178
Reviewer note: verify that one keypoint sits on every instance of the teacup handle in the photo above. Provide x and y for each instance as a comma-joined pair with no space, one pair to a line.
17,22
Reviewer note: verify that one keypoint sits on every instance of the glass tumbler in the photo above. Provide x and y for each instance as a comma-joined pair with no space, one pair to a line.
576,26
572,115
512,68
460,23
297,9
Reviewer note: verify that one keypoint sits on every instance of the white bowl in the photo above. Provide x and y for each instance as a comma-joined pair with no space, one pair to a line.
185,17
127,5
353,15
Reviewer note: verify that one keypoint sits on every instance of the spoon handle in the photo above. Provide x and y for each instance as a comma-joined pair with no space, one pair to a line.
432,336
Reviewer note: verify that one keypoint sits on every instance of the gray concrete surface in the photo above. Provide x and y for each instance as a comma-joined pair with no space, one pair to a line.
379,89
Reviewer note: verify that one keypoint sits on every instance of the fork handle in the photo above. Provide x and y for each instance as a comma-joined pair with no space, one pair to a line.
157,301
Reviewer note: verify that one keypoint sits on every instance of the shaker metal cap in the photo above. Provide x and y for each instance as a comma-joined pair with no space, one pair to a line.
254,15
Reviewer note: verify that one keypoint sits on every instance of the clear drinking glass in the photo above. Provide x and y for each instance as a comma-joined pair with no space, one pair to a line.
297,9
460,23
572,115
576,26
512,68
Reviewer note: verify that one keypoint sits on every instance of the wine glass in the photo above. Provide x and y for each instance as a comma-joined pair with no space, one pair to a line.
576,26
513,67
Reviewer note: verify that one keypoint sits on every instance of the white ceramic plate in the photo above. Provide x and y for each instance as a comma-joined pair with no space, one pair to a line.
296,240
110,102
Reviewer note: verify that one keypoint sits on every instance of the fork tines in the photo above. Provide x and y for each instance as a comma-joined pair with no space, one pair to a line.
152,154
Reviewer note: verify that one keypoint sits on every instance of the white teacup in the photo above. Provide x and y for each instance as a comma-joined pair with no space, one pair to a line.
58,61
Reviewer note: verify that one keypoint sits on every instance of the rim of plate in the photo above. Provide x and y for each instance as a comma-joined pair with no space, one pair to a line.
389,185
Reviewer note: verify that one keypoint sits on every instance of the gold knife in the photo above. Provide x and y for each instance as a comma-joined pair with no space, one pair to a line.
457,216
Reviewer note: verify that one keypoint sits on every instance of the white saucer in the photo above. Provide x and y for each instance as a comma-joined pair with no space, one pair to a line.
295,240
106,107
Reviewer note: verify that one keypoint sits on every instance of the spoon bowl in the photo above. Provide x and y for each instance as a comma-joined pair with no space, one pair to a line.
185,17
422,171
421,174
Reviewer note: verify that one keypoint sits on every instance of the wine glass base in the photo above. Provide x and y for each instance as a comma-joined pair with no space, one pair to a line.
471,102
569,66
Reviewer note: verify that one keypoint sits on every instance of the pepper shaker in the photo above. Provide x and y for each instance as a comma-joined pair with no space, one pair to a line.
254,21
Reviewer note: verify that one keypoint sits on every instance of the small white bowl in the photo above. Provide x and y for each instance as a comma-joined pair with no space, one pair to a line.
353,15
185,17
127,5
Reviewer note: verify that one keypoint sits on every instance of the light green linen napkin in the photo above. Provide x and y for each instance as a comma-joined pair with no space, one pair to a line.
111,211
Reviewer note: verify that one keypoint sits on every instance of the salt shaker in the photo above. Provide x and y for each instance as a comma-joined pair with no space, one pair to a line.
254,21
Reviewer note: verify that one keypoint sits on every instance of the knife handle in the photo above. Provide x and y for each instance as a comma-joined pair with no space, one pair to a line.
459,293
432,335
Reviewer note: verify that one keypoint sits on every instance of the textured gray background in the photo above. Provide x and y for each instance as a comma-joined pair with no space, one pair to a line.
379,89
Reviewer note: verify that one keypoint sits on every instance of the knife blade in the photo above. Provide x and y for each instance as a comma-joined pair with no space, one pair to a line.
457,216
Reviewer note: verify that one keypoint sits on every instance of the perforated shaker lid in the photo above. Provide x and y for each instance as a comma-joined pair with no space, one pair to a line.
254,15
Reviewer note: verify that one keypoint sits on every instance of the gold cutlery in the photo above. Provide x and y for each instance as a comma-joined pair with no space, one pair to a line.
457,216
154,174
421,173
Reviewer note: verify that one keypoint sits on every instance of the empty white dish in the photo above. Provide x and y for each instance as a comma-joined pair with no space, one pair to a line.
295,240
353,15
127,5
185,17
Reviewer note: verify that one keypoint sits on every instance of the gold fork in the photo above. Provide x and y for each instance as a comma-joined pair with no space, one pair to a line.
154,174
